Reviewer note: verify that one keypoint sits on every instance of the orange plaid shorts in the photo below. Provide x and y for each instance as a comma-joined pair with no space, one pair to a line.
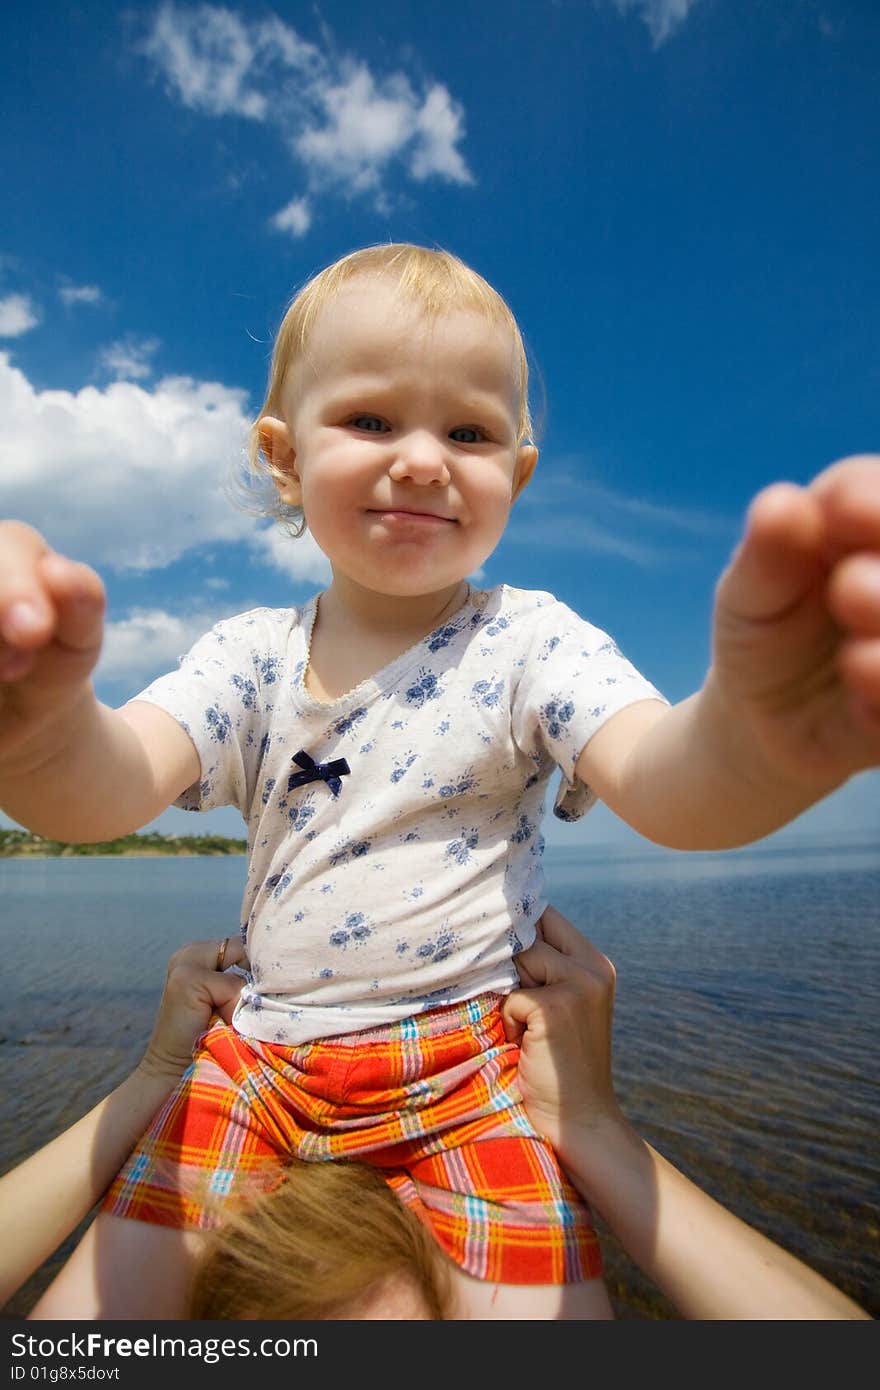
433,1102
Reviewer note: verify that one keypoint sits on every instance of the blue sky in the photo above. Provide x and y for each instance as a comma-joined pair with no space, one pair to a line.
680,199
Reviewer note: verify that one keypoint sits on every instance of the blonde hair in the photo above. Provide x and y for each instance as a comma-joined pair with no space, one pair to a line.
434,280
329,1236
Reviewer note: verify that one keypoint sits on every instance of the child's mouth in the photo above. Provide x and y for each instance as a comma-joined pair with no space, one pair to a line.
398,516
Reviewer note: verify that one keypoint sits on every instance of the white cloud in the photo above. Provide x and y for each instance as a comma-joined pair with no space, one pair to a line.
362,127
367,124
298,559
18,314
123,477
296,218
346,127
129,358
207,58
132,478
440,125
662,17
149,641
80,294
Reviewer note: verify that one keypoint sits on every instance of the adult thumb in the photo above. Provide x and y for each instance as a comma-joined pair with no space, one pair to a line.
538,964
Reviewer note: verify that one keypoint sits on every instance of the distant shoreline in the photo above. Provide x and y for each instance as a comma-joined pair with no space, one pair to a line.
20,844
136,854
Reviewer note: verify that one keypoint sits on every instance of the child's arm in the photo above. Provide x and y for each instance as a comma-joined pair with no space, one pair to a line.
708,1262
791,706
70,767
46,1196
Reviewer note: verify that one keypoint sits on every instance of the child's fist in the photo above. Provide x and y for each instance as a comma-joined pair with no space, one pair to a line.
51,625
797,624
849,497
45,599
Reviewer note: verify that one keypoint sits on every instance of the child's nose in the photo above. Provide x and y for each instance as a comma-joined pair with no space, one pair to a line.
420,458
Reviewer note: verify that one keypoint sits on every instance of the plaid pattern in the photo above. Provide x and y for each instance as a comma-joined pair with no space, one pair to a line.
433,1102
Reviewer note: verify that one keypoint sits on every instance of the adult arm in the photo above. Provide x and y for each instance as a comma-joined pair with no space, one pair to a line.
708,1262
44,1198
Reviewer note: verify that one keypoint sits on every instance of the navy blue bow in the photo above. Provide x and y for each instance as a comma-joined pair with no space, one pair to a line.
331,773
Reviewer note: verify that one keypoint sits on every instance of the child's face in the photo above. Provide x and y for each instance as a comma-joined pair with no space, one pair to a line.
399,440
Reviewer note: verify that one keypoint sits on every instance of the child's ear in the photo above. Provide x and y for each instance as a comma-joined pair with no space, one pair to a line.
280,454
526,459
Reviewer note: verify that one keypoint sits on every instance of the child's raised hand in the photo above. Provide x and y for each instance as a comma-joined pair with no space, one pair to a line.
796,658
194,991
562,1020
51,626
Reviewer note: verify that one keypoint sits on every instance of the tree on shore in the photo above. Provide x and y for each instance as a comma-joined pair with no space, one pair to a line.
21,844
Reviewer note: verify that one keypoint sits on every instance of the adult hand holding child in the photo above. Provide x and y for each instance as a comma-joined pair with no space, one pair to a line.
708,1262
562,1021
44,1198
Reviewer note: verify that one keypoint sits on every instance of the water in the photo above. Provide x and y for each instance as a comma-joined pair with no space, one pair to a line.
746,1023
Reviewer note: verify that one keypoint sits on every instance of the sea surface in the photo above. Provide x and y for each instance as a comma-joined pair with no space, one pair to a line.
746,1022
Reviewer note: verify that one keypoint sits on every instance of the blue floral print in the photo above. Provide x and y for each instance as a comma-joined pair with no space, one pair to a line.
555,715
354,931
441,638
299,816
403,766
346,724
427,687
460,848
465,783
524,831
352,849
247,691
268,668
486,693
218,724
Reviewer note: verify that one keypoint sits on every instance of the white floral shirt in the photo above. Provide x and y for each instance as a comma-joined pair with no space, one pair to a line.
393,834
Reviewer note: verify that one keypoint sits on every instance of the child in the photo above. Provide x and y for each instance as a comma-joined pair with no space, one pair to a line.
390,744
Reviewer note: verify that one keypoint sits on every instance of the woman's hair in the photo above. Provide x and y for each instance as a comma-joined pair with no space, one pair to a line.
434,281
330,1236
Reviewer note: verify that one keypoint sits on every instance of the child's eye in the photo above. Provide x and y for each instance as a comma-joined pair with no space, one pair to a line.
466,434
371,423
